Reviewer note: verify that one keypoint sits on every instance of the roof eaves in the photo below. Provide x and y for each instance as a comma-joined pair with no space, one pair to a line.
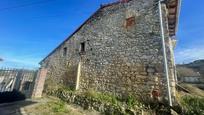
173,17
115,3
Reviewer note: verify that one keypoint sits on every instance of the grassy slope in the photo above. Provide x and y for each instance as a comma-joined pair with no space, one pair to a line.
54,106
195,91
193,103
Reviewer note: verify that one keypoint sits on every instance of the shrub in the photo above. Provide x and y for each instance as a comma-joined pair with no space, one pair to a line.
133,102
101,96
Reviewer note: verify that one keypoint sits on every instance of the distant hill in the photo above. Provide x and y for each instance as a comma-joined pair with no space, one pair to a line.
196,66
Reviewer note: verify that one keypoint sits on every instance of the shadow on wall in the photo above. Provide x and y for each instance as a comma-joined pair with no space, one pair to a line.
6,97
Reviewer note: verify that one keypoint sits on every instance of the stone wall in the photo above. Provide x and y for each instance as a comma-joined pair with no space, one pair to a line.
120,59
39,83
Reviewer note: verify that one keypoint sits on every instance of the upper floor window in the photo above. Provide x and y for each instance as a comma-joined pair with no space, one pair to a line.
65,51
82,47
130,22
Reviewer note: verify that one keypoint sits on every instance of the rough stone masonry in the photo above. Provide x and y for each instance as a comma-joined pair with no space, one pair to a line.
118,50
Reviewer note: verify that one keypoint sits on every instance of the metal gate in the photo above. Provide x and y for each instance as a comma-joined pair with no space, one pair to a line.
20,80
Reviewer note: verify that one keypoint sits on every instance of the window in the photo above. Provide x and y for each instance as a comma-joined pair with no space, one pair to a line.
130,22
82,47
27,85
65,51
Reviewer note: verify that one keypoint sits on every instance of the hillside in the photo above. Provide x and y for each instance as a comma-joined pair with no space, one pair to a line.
197,66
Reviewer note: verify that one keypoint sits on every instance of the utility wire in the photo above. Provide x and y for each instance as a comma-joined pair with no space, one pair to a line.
25,5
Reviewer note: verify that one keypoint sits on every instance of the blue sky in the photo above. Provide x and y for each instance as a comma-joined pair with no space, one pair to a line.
190,32
29,32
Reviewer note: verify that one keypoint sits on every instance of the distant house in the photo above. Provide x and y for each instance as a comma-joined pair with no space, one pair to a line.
197,65
188,75
119,50
191,79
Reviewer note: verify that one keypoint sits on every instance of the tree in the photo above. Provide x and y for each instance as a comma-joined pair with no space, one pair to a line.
1,59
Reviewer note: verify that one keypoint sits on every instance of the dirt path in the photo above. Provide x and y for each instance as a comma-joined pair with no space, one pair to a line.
14,108
44,106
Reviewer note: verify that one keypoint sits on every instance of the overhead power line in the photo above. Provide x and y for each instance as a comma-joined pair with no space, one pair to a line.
25,5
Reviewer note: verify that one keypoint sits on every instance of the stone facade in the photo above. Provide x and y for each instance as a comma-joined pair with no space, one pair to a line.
117,50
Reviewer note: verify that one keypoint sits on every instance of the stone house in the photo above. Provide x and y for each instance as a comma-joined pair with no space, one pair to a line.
119,50
188,75
191,79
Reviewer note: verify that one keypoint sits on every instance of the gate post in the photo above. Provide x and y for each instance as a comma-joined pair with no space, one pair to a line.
39,83
18,80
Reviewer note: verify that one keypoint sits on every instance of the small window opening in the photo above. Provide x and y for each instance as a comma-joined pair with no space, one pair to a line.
27,85
130,22
65,51
82,49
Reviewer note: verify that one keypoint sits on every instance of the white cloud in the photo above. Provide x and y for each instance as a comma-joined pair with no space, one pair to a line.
26,61
189,54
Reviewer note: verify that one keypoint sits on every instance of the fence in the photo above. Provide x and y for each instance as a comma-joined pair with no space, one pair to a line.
21,80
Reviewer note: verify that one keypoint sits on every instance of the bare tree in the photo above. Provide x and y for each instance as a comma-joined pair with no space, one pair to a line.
1,59
185,72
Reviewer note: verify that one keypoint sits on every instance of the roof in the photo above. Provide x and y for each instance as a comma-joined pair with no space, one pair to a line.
173,11
173,15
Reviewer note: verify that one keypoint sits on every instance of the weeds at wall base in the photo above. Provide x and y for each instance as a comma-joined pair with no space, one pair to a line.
105,103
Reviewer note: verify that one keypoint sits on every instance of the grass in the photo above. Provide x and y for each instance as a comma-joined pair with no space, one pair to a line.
193,90
58,107
101,96
131,100
193,103
54,106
